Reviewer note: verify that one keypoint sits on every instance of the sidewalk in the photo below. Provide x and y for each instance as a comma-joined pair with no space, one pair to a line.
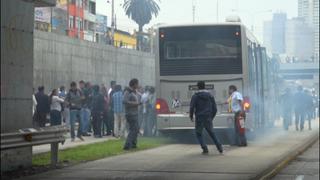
181,161
68,144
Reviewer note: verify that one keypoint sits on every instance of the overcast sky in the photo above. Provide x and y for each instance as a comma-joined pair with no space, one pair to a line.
180,11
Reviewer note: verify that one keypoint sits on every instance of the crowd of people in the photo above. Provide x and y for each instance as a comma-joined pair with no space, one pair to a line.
303,105
98,110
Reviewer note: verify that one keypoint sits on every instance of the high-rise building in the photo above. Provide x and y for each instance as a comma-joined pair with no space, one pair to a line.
267,34
316,28
299,39
309,11
274,33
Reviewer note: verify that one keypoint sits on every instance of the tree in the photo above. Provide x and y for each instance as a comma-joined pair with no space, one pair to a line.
141,11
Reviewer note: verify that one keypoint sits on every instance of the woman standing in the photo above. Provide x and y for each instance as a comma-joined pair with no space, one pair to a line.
55,108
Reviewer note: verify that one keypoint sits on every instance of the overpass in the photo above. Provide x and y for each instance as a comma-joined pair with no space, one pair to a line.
306,73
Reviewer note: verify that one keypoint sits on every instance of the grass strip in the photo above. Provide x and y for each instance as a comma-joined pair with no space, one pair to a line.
96,151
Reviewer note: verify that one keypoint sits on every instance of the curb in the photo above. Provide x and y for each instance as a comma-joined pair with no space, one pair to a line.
279,165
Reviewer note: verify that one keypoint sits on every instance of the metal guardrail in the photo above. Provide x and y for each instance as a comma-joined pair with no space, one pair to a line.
32,137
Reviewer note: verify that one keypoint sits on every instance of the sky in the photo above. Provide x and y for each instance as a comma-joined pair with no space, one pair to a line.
251,12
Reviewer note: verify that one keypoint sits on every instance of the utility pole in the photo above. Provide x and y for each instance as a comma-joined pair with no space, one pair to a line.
217,10
193,11
112,22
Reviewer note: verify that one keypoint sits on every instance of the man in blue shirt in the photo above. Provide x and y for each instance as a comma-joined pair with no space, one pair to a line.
119,120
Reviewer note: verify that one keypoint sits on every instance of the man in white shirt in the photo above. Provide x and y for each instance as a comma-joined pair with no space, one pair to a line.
236,101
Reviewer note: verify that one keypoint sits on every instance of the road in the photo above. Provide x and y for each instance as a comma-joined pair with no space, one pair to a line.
185,161
305,166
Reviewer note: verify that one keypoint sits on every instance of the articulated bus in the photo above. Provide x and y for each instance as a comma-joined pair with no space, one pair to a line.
221,55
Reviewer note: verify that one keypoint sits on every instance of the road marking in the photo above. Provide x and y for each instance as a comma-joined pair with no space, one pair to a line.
300,177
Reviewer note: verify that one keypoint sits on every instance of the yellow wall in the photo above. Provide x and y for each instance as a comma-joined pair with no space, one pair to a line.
127,40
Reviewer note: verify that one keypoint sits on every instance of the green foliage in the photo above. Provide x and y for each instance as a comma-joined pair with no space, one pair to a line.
96,151
141,11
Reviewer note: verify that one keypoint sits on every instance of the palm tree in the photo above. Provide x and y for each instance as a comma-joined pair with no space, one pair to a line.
141,11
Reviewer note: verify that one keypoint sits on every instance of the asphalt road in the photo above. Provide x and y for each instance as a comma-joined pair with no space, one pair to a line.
305,166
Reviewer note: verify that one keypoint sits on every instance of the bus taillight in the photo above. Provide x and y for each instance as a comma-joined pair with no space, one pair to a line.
162,106
246,104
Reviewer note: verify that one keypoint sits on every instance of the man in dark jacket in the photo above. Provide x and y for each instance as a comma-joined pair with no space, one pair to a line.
97,109
205,109
42,109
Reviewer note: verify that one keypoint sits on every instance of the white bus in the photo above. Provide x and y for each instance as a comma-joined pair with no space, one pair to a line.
221,55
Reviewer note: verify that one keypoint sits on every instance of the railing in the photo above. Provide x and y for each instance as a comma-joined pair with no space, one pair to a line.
33,137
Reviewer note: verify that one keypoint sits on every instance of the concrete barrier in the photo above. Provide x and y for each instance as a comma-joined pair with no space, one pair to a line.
58,60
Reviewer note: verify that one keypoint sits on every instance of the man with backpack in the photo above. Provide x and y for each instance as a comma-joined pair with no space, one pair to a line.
204,107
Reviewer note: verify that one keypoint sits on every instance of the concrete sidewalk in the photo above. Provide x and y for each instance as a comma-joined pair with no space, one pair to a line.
182,161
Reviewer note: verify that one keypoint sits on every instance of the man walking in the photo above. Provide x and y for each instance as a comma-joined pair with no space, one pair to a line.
131,102
205,109
299,108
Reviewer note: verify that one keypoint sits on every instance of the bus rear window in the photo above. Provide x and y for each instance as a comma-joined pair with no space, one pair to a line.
202,49
199,50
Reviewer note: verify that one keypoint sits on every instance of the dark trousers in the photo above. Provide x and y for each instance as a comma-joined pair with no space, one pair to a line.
104,122
206,122
110,122
240,138
40,119
133,123
300,115
55,118
96,122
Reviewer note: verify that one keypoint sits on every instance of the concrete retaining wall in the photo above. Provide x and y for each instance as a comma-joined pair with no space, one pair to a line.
58,60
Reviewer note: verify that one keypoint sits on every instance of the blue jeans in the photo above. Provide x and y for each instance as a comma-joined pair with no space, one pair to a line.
74,116
206,122
85,119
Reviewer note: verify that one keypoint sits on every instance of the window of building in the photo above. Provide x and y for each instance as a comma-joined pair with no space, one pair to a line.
92,7
71,21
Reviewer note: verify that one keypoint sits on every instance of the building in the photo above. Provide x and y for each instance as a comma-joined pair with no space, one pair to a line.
278,33
267,34
316,28
124,39
74,18
42,18
89,20
101,29
299,40
274,33
59,20
309,11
